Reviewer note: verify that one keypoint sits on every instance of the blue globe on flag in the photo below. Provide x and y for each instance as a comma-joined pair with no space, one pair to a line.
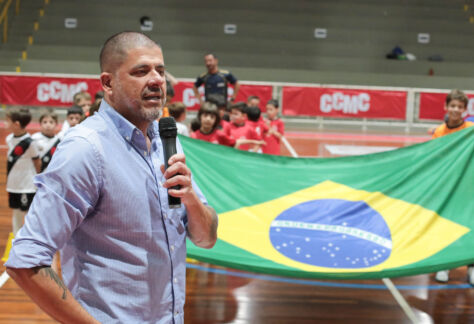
332,233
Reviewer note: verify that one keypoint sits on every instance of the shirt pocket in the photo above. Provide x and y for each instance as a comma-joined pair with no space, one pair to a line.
177,218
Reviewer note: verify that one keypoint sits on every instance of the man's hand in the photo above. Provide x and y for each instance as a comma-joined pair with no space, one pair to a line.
198,95
178,173
202,219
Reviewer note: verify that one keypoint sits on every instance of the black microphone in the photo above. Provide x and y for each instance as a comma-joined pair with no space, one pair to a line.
168,133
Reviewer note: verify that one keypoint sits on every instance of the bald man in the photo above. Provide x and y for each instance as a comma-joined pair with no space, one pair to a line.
103,202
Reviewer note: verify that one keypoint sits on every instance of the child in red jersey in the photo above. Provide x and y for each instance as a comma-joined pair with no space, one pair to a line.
256,122
253,101
221,104
276,129
240,130
209,119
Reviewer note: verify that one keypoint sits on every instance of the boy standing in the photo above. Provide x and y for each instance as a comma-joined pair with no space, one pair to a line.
255,121
253,101
456,106
238,129
276,129
23,164
46,140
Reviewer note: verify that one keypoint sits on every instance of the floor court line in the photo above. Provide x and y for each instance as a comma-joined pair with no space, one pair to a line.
323,283
3,278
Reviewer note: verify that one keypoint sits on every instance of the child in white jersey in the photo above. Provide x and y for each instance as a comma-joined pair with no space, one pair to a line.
47,140
23,164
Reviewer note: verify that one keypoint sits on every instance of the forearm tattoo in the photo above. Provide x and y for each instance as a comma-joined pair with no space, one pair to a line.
47,272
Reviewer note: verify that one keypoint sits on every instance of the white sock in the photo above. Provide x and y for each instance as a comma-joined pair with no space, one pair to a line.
17,220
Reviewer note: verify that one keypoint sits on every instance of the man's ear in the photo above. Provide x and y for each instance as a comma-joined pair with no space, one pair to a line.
106,82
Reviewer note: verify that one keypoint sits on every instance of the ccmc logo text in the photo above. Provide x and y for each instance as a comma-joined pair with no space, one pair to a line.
58,91
190,100
347,104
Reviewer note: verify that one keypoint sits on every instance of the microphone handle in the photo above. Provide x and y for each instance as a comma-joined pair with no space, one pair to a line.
169,149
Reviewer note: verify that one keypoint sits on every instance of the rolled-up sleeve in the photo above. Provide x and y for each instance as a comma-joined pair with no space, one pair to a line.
66,193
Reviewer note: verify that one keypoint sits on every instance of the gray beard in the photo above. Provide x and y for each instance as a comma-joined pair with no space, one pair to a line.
148,115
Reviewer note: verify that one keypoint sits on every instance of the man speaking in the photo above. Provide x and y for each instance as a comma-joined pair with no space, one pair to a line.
103,201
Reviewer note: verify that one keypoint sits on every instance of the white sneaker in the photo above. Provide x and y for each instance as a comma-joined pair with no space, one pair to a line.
470,275
442,276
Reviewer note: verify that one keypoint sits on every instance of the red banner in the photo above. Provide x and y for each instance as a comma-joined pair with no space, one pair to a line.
344,103
59,91
184,93
44,91
432,105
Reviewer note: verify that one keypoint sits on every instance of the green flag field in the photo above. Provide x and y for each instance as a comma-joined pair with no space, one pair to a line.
404,212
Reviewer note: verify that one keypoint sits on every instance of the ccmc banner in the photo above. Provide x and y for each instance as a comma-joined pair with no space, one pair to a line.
432,105
44,91
59,91
344,103
184,93
397,213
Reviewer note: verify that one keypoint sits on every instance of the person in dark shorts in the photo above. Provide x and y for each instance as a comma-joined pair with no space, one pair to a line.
23,164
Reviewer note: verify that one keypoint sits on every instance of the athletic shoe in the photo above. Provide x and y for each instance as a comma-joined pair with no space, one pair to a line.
442,276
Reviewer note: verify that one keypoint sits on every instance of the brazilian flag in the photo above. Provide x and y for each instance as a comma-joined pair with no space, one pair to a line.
397,213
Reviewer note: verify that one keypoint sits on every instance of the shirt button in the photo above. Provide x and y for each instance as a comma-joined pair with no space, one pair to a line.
145,152
165,216
172,248
127,138
175,280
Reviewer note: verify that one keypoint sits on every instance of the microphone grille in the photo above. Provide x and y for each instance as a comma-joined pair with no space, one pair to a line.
167,127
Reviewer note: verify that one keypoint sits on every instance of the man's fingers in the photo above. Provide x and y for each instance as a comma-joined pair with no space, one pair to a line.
179,193
177,158
177,168
181,180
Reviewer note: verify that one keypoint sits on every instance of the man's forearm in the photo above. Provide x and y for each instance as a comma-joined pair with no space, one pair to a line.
236,90
197,95
49,292
202,224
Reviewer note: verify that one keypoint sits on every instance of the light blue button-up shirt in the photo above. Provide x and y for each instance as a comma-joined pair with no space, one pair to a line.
102,203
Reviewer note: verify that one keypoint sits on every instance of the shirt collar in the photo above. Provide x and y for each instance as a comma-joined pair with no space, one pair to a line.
125,127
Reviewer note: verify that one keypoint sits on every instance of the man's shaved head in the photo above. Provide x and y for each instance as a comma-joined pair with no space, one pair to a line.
115,48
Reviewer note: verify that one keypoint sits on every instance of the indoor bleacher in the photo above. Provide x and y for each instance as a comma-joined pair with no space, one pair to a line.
274,40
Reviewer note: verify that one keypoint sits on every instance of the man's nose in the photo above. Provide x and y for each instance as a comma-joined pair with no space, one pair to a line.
156,79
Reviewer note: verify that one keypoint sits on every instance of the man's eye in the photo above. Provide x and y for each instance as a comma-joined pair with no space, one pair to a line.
139,72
